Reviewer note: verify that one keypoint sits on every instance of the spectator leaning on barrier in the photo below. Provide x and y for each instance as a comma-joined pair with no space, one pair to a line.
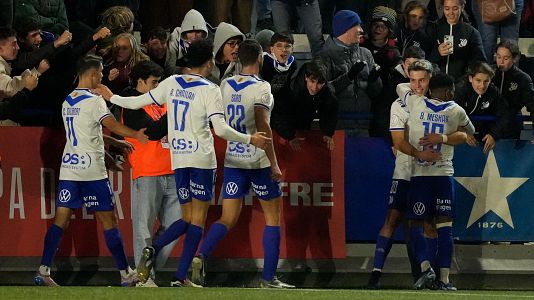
351,71
51,15
225,46
153,186
458,43
411,30
193,28
480,97
514,85
310,98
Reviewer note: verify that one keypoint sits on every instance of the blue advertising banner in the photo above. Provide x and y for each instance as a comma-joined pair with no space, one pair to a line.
493,191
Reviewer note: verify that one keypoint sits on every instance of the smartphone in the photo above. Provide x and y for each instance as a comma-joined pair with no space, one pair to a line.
450,40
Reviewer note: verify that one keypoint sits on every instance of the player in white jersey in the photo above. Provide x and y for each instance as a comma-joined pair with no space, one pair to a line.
192,101
83,179
431,192
248,104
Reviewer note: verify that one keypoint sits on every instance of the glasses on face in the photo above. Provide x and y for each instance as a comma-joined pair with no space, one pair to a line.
283,46
232,44
379,26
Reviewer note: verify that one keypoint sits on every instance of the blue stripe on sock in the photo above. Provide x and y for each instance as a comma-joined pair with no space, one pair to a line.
170,235
192,239
216,233
51,243
271,251
116,247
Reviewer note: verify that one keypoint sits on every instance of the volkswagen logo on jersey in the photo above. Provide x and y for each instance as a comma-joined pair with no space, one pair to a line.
64,196
419,208
231,188
184,193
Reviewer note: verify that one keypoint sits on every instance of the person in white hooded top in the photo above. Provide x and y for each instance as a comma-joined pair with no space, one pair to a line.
225,47
193,28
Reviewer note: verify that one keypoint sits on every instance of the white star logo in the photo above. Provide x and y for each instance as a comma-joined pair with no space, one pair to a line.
490,192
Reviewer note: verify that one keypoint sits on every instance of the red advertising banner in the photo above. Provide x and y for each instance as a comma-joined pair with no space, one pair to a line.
313,218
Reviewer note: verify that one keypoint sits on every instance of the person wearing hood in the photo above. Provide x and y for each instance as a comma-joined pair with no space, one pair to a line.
514,85
351,71
458,43
193,28
225,46
480,97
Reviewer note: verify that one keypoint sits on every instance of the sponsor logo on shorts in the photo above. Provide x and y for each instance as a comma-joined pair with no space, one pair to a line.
184,193
64,196
419,208
231,188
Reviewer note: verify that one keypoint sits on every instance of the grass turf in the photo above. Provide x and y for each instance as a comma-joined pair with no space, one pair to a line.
79,293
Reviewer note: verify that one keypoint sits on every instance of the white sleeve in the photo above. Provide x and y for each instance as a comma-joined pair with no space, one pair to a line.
156,96
224,130
465,122
398,116
403,89
100,110
265,98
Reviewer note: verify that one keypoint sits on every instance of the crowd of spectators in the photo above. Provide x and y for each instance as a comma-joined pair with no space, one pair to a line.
348,85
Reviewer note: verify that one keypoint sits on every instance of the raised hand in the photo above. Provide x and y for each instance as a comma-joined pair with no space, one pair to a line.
113,74
63,39
103,91
104,32
44,65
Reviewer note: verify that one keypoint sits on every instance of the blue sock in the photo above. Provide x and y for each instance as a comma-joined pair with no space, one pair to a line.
383,246
432,250
216,233
116,247
192,239
419,244
170,234
445,245
271,251
51,243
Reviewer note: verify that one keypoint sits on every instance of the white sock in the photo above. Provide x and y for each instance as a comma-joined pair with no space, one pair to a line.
425,265
376,269
444,275
44,270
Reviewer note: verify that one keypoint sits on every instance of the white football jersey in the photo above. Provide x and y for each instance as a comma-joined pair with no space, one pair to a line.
83,156
191,100
241,95
398,121
434,116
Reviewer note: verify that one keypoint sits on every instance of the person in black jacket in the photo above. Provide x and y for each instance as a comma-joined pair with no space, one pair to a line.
411,28
480,97
458,43
514,85
310,98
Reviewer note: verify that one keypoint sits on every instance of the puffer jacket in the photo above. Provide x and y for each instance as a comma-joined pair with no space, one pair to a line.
51,15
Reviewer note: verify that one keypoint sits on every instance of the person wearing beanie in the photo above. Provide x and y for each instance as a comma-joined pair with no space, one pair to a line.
351,71
264,38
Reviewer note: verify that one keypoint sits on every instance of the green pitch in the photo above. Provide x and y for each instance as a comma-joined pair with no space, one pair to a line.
93,293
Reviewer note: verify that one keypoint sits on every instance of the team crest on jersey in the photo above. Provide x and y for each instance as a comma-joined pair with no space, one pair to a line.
64,196
418,208
513,86
239,80
231,188
265,98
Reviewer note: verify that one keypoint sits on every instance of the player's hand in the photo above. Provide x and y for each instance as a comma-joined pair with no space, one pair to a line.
260,140
104,32
63,39
43,66
113,74
295,143
112,164
444,49
489,143
329,142
429,155
141,136
125,146
30,82
430,139
276,174
103,91
471,140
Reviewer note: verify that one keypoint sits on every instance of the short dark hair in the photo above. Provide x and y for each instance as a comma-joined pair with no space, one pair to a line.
88,62
23,26
441,81
413,52
315,69
481,67
7,32
248,52
285,37
511,46
199,52
154,33
144,69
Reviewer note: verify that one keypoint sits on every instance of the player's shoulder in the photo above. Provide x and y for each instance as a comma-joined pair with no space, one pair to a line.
186,81
243,81
81,95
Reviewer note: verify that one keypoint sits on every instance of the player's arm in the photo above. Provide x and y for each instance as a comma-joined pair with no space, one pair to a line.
155,96
261,117
222,129
403,89
455,138
110,123
400,144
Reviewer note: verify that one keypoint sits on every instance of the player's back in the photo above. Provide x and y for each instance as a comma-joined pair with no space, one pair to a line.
83,156
191,100
241,95
434,116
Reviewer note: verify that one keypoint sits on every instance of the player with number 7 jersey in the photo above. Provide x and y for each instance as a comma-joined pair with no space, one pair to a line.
192,102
